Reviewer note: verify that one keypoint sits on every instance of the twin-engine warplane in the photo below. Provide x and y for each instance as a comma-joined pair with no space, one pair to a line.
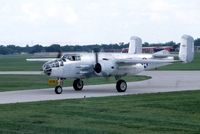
78,66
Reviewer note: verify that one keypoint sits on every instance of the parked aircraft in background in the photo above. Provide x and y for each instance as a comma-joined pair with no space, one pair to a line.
78,66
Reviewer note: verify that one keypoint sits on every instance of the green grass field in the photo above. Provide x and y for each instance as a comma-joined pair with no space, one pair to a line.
162,113
18,63
22,82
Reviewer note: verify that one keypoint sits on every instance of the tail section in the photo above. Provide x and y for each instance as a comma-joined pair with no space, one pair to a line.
186,52
135,46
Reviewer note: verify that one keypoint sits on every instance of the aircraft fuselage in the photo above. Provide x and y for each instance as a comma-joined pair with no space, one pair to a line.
81,65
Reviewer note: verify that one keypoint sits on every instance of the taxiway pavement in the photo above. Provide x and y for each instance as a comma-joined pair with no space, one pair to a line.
162,81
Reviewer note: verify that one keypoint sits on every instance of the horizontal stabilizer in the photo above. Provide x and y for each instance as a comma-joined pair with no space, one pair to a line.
142,61
161,54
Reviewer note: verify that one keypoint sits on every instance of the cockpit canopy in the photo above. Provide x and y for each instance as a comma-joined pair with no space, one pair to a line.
71,57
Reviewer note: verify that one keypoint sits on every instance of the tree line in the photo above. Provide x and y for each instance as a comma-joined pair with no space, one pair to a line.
13,49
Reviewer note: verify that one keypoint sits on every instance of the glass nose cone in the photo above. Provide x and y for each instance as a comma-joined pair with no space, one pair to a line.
47,69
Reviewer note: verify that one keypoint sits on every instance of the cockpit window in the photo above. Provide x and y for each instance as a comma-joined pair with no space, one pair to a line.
71,57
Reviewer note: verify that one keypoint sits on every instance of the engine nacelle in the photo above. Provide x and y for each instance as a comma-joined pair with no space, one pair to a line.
130,70
105,68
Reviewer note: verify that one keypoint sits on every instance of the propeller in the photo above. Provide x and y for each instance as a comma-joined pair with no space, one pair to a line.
97,66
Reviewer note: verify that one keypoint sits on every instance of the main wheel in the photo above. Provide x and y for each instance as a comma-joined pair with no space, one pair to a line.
121,86
78,85
58,90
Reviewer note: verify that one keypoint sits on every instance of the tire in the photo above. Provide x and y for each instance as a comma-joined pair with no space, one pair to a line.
78,85
121,86
58,90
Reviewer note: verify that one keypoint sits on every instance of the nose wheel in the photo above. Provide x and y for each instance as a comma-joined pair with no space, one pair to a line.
58,89
78,85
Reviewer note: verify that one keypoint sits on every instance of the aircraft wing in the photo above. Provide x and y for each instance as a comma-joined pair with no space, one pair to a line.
143,61
41,59
21,73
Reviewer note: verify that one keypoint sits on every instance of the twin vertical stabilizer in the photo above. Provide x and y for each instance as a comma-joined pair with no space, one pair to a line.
186,52
135,46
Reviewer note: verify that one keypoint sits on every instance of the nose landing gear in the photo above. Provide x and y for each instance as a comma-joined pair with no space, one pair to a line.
58,88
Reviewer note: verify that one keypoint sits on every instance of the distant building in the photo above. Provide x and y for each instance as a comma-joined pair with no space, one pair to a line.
112,50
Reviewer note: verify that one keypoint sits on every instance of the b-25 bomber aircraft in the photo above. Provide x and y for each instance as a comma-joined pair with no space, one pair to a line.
78,66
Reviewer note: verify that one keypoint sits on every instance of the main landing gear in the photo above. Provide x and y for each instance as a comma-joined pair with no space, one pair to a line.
77,84
121,86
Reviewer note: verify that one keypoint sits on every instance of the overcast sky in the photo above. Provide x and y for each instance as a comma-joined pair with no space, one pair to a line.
96,21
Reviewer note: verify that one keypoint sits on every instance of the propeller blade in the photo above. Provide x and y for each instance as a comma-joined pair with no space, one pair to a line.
97,66
96,51
96,58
